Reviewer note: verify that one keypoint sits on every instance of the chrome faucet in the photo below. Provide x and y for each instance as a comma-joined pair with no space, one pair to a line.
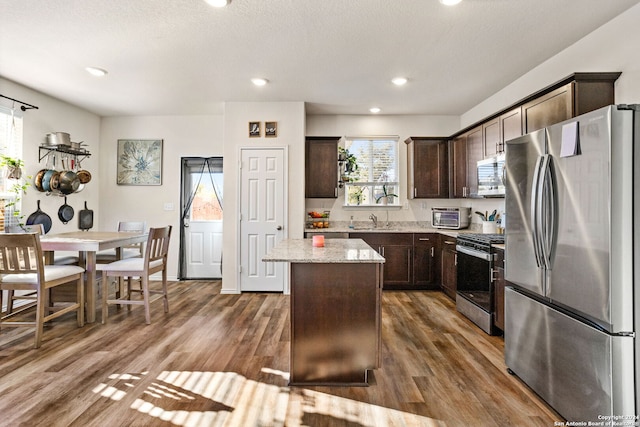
374,218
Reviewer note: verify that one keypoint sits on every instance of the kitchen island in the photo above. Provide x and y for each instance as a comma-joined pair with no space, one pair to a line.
335,308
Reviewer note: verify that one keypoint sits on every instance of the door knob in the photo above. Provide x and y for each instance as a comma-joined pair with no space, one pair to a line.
279,227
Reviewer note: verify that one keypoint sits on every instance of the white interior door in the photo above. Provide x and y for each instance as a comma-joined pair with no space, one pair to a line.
262,217
202,218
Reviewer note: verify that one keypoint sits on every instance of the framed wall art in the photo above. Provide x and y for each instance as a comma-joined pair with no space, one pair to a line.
271,129
255,129
139,162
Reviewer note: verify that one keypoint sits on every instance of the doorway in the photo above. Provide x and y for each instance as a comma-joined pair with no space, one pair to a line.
263,217
201,218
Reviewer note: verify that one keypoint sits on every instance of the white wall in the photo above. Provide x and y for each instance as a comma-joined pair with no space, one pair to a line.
291,132
54,115
612,47
183,136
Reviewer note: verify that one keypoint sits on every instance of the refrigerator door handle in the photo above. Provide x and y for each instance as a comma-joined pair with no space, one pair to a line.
547,218
536,220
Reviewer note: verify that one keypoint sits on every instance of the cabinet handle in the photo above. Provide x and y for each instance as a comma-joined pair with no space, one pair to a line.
494,274
415,192
449,242
335,191
432,253
464,191
455,259
423,239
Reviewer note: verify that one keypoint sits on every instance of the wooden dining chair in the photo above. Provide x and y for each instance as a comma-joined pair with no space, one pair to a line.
154,261
58,259
132,251
22,268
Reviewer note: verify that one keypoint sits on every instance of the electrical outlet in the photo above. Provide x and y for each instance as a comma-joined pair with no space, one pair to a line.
424,205
168,207
405,206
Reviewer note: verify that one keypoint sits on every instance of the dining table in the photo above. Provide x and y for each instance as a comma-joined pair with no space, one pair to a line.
87,244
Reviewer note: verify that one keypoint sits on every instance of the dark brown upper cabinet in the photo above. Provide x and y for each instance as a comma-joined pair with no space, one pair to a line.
583,93
467,149
321,167
491,141
510,126
428,168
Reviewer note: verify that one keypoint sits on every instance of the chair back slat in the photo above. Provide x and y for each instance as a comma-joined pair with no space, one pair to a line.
157,244
133,227
20,253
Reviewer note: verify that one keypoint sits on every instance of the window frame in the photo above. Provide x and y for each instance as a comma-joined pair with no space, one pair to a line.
371,187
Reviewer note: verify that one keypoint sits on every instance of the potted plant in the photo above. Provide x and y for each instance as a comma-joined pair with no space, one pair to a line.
356,195
350,160
386,197
13,168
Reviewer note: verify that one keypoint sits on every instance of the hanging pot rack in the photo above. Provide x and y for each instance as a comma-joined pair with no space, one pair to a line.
24,106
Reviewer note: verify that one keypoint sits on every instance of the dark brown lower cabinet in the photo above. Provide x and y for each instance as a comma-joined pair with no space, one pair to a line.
498,289
426,254
448,266
397,250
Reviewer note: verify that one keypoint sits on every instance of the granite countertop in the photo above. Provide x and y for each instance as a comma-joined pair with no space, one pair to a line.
394,227
334,251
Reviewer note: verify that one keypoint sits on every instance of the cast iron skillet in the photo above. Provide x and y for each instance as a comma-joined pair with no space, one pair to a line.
65,213
85,218
40,217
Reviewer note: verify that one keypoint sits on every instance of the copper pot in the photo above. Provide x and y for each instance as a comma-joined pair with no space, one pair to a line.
37,180
84,176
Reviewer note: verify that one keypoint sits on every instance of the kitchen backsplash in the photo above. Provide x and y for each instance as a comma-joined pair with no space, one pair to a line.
411,210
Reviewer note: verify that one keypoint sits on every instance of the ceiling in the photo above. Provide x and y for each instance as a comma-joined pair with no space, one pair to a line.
174,57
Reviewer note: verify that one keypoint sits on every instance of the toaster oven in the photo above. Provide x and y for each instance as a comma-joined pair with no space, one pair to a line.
452,218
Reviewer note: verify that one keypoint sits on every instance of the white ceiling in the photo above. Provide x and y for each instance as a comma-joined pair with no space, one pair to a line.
185,57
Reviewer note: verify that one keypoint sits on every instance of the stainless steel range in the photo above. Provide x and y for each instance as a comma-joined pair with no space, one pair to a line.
475,281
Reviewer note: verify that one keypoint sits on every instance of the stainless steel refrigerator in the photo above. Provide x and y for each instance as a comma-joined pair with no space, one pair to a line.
572,242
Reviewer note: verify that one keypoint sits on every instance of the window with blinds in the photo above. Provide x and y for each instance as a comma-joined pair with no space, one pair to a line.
10,145
375,179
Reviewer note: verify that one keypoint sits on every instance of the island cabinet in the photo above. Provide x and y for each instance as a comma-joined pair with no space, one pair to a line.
449,260
583,93
498,294
427,168
397,250
321,167
335,310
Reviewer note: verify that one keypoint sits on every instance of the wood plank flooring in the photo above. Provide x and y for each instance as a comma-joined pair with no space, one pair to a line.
223,360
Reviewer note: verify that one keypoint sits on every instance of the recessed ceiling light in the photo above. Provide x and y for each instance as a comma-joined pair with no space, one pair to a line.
259,81
450,2
399,81
94,71
374,109
218,3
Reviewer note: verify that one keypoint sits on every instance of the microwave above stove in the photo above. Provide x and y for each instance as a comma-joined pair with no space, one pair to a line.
491,177
452,218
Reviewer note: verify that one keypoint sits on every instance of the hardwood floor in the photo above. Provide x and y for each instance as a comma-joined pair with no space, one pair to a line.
223,360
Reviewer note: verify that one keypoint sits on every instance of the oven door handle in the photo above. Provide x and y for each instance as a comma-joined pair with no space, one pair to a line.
474,253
